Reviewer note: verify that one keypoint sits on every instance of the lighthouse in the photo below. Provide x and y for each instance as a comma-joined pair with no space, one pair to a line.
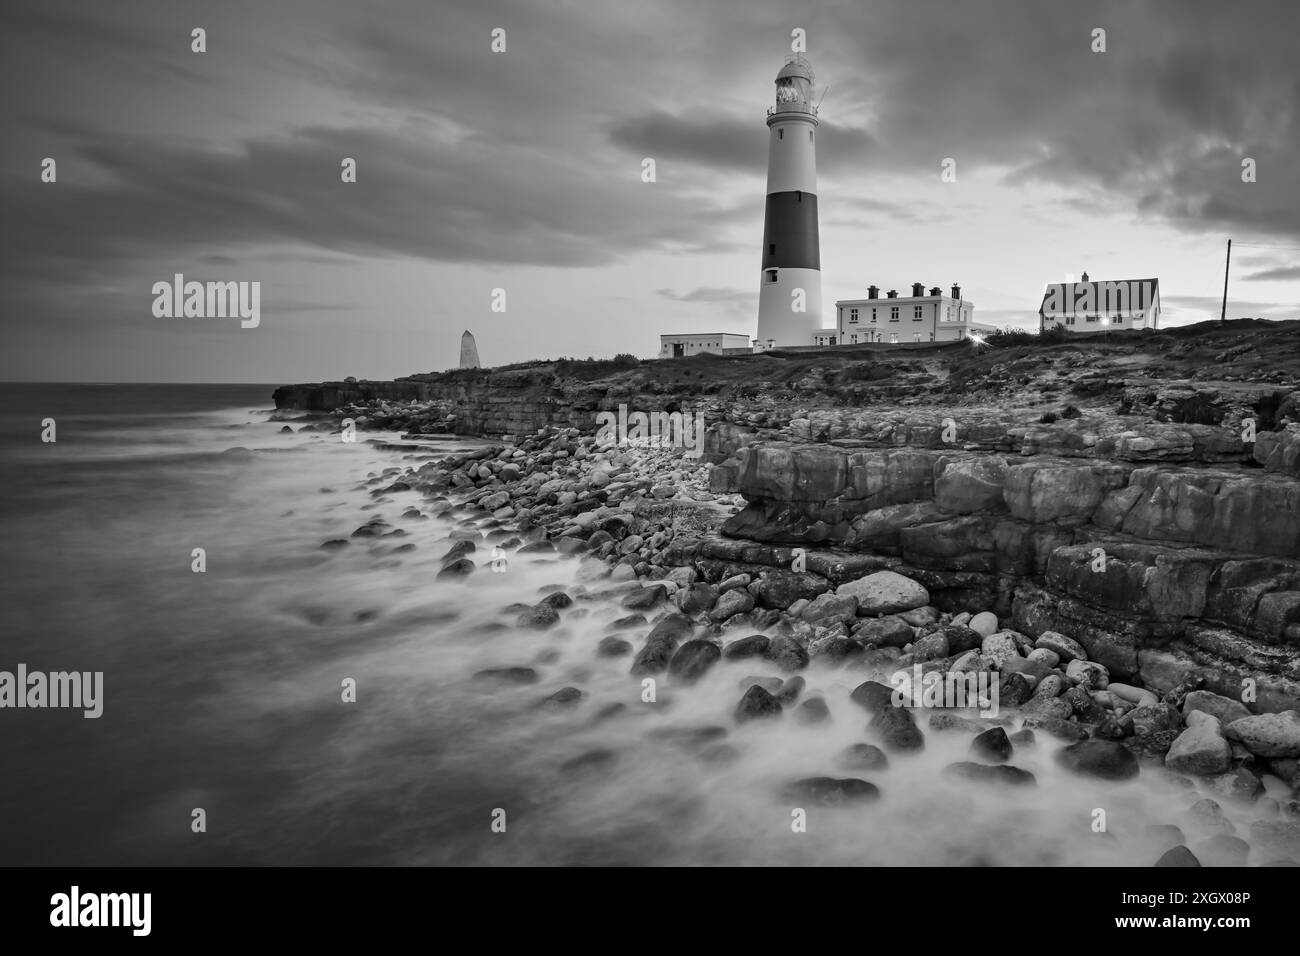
790,287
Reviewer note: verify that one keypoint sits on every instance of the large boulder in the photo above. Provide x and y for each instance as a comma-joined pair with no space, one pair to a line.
1225,709
896,729
828,608
1268,735
889,631
1099,758
779,589
885,592
692,660
1201,748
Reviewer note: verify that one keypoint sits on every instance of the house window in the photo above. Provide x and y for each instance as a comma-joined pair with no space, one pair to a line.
947,313
893,338
917,336
854,338
916,313
893,313
873,315
853,315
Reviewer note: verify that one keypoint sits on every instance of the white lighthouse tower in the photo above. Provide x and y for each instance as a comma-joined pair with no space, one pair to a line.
790,287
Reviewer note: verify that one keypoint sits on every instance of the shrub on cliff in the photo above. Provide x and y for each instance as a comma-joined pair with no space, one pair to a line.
626,360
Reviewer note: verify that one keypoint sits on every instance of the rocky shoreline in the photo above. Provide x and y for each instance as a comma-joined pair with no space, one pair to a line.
694,598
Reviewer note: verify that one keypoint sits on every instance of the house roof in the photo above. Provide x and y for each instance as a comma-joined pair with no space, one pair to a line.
1098,296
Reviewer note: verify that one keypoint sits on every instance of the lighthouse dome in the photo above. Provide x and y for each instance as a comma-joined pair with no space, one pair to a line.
796,67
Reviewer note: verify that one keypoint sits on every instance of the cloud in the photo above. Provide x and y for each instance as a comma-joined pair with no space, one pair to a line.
712,294
1282,272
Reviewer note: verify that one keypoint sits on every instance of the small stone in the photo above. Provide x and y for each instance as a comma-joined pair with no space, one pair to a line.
897,730
999,648
791,689
565,696
813,711
828,791
862,757
992,745
731,603
1178,856
1067,648
891,631
985,773
984,623
1099,758
613,647
787,653
753,646
1090,674
1045,656
509,675
757,703
539,617
873,696
460,568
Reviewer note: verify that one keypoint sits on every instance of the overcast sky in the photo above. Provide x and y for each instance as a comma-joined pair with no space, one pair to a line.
522,170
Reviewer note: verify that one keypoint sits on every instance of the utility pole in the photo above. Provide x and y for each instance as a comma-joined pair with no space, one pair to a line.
1223,314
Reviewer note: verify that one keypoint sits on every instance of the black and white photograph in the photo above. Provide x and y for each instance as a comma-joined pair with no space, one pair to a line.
676,434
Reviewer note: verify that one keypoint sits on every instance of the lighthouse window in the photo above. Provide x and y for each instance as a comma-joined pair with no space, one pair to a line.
771,275
780,134
771,248
798,195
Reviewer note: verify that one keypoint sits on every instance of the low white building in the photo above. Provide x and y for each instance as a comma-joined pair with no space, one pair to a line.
893,319
1087,306
695,343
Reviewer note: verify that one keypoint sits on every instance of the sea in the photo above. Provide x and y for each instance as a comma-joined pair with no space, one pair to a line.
278,702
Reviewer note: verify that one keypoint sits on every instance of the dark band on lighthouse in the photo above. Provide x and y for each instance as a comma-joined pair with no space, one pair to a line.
790,231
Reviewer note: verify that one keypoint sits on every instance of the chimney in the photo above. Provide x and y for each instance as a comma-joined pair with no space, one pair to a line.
893,294
936,291
873,292
1085,277
956,291
918,290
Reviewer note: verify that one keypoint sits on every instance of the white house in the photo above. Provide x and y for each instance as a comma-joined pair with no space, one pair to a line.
894,319
1086,306
694,343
